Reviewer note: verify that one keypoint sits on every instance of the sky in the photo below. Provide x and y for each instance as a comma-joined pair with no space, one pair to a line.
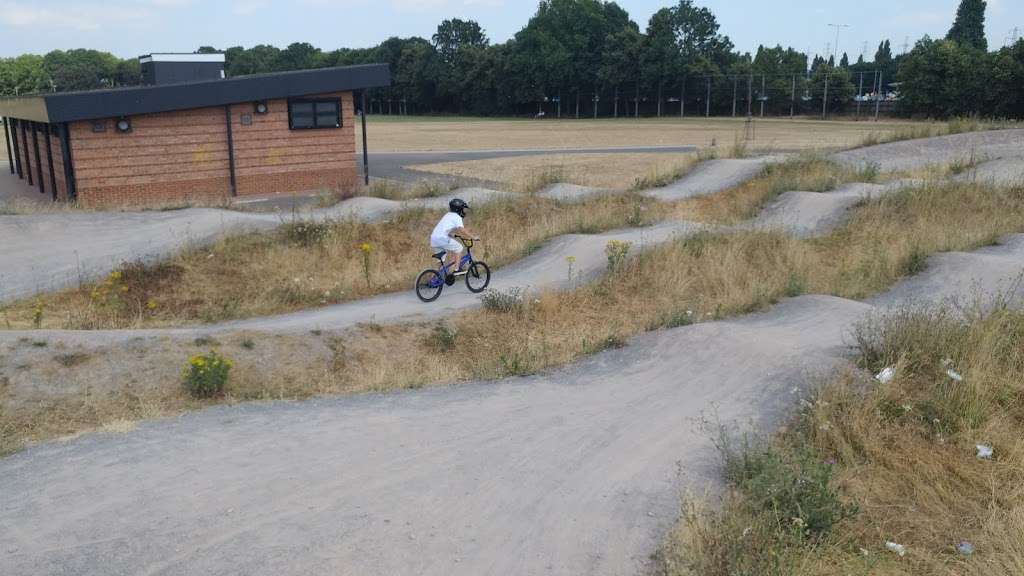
129,28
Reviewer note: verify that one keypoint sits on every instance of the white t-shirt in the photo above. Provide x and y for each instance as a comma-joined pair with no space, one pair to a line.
440,237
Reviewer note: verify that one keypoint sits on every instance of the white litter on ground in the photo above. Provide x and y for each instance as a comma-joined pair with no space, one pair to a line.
984,451
898,549
965,548
886,376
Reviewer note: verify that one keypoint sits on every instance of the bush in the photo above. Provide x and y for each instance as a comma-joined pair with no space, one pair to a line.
442,339
205,375
794,486
616,251
508,301
306,233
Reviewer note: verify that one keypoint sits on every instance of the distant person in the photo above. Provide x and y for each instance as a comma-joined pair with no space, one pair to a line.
445,237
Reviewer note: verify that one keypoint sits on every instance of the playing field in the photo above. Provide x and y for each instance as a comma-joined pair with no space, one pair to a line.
400,134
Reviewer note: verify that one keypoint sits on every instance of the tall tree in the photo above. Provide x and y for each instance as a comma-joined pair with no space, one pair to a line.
661,59
455,34
620,60
80,69
942,78
969,27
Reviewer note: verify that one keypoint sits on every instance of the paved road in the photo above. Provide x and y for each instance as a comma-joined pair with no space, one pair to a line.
401,165
576,471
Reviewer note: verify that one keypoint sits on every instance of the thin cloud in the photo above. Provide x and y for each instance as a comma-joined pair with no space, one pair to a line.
81,17
249,7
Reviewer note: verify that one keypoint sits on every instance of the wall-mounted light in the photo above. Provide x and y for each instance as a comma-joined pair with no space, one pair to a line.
123,125
261,108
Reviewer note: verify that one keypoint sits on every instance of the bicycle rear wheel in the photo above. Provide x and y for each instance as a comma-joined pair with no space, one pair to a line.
478,277
429,285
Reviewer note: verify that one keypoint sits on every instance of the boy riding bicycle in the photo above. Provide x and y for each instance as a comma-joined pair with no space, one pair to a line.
445,236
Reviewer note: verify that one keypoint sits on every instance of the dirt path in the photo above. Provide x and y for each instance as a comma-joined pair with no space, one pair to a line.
576,471
573,471
45,252
800,213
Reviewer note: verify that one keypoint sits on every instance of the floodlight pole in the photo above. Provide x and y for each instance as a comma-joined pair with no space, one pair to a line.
828,73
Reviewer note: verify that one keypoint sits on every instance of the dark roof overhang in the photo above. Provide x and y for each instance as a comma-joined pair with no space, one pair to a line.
93,104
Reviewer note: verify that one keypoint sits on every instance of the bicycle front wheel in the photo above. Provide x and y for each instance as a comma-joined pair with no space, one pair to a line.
478,277
429,285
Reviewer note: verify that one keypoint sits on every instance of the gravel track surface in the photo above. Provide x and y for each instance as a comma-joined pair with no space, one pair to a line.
575,471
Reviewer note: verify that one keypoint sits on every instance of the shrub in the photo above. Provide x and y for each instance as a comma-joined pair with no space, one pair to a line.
306,233
205,375
616,251
366,249
442,339
795,285
37,314
793,485
508,301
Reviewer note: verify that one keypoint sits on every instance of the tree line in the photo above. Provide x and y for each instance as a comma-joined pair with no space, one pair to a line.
588,57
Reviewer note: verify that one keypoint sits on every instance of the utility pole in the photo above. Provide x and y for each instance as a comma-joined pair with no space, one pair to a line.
707,102
735,79
750,94
828,73
763,98
878,95
860,93
792,101
682,100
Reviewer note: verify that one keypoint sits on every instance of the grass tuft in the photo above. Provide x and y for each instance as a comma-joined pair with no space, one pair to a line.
866,463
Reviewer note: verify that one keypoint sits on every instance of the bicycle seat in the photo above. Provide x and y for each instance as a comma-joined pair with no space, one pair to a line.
440,255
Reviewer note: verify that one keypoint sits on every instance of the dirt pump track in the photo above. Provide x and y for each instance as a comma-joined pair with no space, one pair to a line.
578,470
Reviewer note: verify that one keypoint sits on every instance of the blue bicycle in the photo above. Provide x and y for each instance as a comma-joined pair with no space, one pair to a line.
431,282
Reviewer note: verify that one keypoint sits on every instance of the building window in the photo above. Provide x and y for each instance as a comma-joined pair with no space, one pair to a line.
308,114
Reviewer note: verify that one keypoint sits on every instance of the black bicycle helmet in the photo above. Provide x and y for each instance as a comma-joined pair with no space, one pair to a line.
459,206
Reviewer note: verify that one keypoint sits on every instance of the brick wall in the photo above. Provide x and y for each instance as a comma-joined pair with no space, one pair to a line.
166,157
176,156
270,158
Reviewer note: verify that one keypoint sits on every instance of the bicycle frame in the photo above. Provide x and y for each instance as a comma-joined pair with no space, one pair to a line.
466,260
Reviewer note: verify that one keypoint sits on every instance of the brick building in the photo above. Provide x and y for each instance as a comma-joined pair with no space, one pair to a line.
191,133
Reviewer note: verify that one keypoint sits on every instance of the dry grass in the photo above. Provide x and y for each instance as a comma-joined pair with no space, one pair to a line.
394,134
932,129
531,173
686,281
899,459
306,265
